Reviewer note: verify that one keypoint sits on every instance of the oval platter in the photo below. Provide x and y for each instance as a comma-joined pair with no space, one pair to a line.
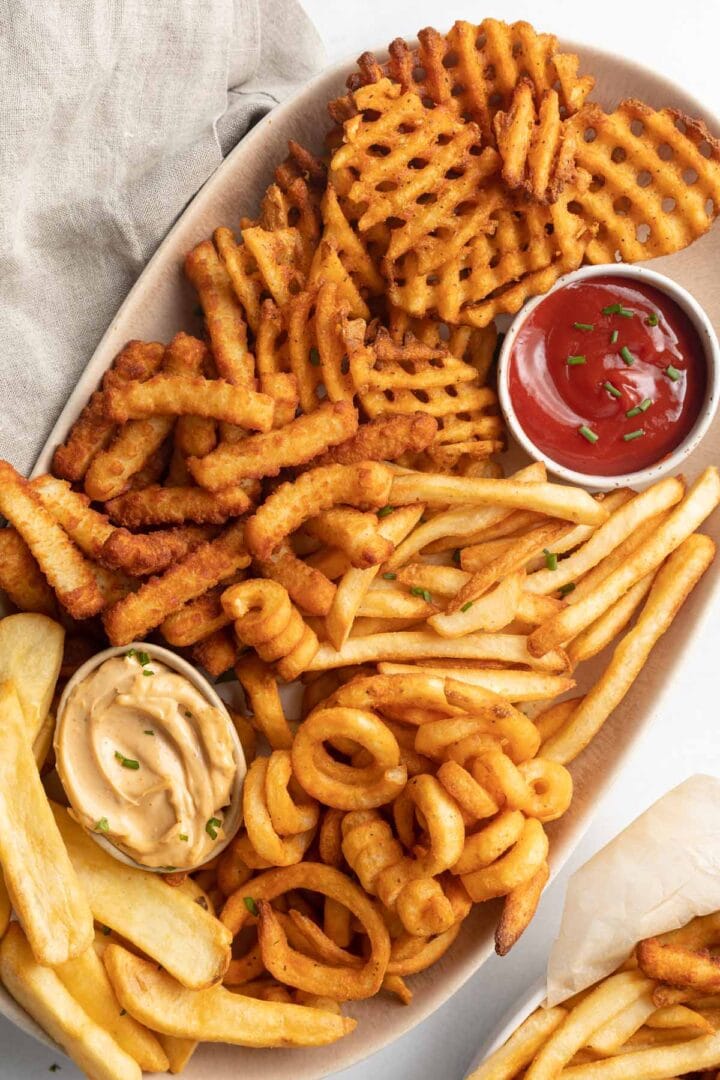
161,303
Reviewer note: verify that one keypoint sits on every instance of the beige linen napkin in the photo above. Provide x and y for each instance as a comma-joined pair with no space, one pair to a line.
113,113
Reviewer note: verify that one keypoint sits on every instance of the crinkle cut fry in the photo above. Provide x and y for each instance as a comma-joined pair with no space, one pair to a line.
21,578
132,617
92,431
69,574
187,395
138,440
141,554
223,315
157,505
266,454
244,277
386,438
644,210
307,586
366,485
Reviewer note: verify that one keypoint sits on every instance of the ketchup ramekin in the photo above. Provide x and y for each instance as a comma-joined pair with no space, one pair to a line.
671,462
233,814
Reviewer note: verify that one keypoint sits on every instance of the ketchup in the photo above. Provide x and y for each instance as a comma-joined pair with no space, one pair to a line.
591,352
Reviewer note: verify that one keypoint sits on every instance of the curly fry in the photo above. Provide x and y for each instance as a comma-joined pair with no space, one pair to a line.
342,786
266,619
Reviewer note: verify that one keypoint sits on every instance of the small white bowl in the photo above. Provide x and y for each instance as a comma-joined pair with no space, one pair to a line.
671,462
233,814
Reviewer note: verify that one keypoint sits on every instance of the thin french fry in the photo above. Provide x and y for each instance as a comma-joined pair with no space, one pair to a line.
700,501
622,523
656,1062
609,998
411,645
463,519
612,622
512,684
674,582
556,500
515,556
513,1056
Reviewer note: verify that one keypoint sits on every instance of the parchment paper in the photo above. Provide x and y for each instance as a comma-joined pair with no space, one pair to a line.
659,873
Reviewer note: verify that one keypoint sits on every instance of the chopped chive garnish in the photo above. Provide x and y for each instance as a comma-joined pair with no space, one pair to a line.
143,658
652,319
614,336
131,652
183,836
102,825
126,762
574,361
641,408
54,1067
456,555
212,827
467,606
625,313
426,595
146,672
565,589
618,309
148,731
250,904
672,373
627,356
314,357
634,435
583,326
390,577
586,433
384,511
550,559
612,390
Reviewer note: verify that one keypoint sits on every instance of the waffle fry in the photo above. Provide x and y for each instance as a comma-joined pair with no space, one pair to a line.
421,170
536,147
473,69
531,247
643,210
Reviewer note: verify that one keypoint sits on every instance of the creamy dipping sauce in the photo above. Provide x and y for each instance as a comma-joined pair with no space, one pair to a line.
146,761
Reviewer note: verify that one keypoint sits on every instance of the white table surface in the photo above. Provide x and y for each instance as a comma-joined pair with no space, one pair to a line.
680,41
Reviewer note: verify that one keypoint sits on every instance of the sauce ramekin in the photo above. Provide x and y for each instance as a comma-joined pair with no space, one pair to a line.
233,814
670,462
